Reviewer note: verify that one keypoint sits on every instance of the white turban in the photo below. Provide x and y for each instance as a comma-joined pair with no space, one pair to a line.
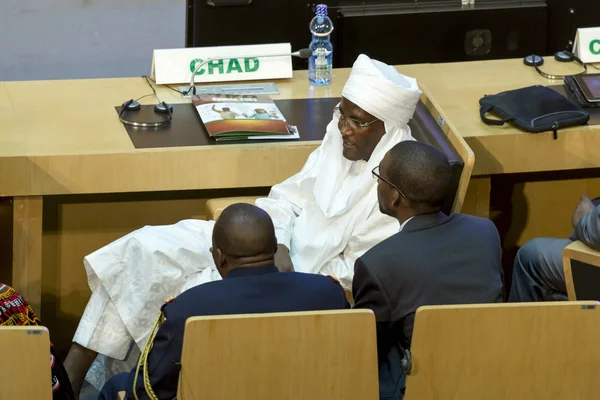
389,96
382,91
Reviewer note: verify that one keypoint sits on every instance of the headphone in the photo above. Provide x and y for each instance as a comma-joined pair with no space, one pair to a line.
160,108
561,56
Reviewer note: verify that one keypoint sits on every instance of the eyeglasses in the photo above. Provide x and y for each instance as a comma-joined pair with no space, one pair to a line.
377,175
352,123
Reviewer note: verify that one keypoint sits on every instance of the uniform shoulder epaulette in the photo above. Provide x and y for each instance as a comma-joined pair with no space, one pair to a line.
167,302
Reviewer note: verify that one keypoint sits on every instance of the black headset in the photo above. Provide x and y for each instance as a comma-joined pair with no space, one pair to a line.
160,108
561,56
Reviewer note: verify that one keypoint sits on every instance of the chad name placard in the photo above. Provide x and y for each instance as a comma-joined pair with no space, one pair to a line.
225,63
587,45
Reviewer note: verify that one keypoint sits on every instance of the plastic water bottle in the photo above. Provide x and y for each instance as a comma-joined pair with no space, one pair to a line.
320,63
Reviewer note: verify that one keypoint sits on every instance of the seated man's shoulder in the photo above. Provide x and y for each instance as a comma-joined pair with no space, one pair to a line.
313,280
390,247
196,297
324,285
478,222
202,298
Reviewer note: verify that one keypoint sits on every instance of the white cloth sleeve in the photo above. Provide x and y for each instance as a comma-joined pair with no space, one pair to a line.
287,199
367,233
101,328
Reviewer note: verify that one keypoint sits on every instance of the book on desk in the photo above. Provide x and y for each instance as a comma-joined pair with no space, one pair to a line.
242,117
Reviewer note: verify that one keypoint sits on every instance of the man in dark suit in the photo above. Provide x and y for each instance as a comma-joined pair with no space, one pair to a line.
434,259
244,246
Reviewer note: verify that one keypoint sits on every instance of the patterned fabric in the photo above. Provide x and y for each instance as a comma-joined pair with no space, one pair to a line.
14,311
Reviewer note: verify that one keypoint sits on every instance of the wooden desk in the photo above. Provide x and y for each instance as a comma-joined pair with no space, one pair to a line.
457,88
66,161
64,137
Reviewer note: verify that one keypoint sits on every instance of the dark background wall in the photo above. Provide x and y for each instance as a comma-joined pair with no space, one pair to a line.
398,31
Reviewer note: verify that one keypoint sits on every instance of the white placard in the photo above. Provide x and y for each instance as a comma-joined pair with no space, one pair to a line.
176,65
587,45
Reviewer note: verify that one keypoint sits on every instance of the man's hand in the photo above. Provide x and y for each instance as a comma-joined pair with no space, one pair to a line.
283,260
584,206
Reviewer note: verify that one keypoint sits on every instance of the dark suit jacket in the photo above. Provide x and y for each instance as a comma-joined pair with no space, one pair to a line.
244,291
435,260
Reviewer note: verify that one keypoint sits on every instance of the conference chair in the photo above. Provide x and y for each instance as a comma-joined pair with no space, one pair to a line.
506,351
320,355
25,352
581,266
427,126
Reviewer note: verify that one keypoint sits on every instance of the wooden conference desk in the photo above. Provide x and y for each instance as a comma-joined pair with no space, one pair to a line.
68,162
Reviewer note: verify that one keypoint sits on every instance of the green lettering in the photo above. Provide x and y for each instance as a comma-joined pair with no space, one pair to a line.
234,65
215,64
593,49
251,68
193,64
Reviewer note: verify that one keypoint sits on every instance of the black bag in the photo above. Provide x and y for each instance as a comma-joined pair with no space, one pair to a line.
534,109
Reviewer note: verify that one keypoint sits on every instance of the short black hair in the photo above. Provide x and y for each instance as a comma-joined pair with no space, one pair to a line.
422,173
244,230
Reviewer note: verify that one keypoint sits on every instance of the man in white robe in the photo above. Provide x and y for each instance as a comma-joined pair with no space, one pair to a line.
325,217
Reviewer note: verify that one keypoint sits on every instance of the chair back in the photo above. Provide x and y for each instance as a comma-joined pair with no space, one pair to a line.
294,356
506,351
581,266
425,128
26,372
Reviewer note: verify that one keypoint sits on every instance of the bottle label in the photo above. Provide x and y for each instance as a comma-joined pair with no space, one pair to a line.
322,65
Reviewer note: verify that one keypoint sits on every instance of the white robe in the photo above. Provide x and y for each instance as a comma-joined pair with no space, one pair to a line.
327,215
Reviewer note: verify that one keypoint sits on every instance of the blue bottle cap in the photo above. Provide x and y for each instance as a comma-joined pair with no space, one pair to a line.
321,10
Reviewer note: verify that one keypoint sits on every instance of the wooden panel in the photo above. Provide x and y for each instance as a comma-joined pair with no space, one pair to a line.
575,148
26,354
281,356
477,198
159,170
527,206
27,249
506,351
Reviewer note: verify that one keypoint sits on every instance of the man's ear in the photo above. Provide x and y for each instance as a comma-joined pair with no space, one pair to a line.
396,199
218,258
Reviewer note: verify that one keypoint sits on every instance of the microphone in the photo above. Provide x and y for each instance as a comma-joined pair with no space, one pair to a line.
302,53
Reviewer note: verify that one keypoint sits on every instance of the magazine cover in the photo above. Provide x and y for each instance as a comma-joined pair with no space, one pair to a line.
240,116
